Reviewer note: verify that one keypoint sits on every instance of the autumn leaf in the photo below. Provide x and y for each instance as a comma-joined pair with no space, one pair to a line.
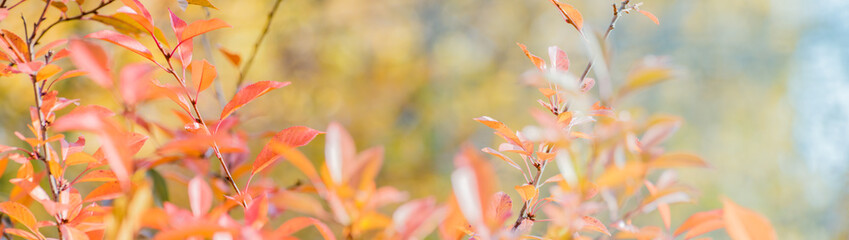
650,16
200,196
250,93
47,71
203,74
570,14
202,3
559,59
536,60
123,41
98,176
21,214
670,160
294,225
699,219
593,224
527,192
292,137
200,27
109,190
136,85
503,157
744,224
91,58
232,57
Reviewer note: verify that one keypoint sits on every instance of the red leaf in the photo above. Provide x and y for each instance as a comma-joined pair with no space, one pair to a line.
185,49
570,14
200,196
296,224
123,41
200,27
203,74
536,60
559,59
250,93
293,137
91,58
650,16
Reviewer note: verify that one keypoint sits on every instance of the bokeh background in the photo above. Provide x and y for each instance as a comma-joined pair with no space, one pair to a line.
763,89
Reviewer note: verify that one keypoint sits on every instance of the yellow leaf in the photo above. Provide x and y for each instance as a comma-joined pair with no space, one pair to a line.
614,175
202,3
21,214
47,71
677,160
527,192
79,158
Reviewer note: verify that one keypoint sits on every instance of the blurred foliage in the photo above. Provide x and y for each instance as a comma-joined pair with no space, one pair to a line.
411,75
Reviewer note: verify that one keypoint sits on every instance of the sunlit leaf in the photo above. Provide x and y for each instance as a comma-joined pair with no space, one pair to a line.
559,59
200,27
21,214
203,74
570,14
98,176
699,218
250,93
292,137
202,3
503,157
109,190
47,71
744,224
527,192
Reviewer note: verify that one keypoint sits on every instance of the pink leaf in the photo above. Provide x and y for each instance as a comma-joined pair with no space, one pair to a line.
200,196
123,41
339,150
92,59
559,59
136,82
650,16
250,93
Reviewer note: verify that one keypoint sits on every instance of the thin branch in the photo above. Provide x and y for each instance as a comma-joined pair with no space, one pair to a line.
78,17
616,15
257,44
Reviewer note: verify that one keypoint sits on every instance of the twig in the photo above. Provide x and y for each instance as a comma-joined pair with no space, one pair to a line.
78,17
258,42
606,35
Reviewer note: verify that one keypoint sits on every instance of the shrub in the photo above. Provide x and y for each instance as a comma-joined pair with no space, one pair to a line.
603,156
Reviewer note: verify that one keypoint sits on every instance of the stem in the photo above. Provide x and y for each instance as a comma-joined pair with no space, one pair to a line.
43,153
606,35
258,42
66,19
199,120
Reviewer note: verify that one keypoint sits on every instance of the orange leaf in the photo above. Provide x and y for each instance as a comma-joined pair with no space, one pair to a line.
570,14
123,41
527,192
650,16
47,71
21,214
200,27
292,137
232,57
614,175
203,74
704,227
662,208
93,60
744,224
677,160
698,219
298,159
593,224
250,93
296,224
98,176
536,60
79,158
503,157
109,190
202,3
